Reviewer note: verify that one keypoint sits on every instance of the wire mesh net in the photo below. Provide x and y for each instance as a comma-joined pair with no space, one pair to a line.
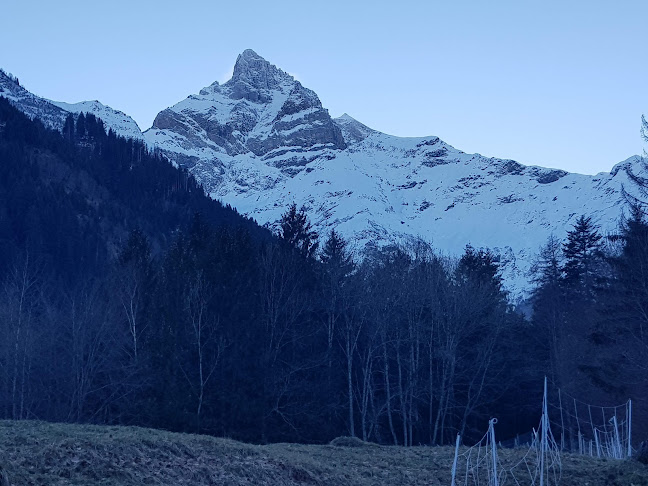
477,465
591,430
566,425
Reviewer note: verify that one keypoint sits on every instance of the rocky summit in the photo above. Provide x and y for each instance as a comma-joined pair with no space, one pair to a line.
261,113
262,141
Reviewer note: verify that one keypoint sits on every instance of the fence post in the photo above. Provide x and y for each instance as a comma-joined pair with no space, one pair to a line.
580,449
562,422
543,440
618,450
491,431
454,464
629,428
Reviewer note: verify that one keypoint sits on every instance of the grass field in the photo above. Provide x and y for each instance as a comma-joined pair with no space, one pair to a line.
37,453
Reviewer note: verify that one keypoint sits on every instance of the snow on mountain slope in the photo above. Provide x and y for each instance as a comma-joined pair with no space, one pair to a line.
53,113
388,188
262,112
261,142
32,105
121,123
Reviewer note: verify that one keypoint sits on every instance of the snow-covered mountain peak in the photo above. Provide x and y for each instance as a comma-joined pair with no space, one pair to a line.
633,164
33,106
262,141
118,121
345,117
253,73
352,130
262,112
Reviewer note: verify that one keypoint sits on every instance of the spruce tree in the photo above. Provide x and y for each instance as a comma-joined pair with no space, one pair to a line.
480,268
336,256
81,126
630,267
136,251
549,307
296,230
68,128
627,306
583,253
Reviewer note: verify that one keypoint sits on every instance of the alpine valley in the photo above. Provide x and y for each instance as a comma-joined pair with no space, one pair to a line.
261,141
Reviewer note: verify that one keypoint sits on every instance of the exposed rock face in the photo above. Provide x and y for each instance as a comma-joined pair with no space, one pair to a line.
254,77
262,112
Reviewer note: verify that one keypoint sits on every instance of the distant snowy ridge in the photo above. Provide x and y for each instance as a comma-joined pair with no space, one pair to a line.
118,121
54,113
262,141
32,105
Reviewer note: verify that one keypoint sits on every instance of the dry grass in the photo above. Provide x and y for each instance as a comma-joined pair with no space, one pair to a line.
37,453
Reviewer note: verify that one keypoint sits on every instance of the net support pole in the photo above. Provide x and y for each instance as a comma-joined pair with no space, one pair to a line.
580,448
617,447
454,463
629,428
543,439
562,423
589,411
494,480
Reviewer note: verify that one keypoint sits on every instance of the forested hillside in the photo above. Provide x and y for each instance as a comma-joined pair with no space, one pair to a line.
129,297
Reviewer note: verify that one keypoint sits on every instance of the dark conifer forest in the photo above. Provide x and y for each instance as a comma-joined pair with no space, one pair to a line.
128,296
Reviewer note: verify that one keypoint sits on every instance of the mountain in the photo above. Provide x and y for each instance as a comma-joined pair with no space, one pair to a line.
261,114
54,113
181,314
71,203
261,141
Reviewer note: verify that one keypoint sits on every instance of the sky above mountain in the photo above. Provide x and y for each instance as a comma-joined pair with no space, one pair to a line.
560,84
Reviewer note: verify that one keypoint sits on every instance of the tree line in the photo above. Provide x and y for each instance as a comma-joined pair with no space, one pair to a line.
129,297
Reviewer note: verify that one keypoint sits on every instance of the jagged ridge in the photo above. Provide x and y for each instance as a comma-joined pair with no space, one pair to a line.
262,141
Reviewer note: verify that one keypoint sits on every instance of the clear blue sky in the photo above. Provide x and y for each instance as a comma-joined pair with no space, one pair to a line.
553,83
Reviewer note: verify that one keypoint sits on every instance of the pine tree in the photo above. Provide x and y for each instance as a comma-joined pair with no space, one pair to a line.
627,307
549,303
336,256
136,251
68,127
583,252
547,269
81,126
338,266
479,268
630,266
296,230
